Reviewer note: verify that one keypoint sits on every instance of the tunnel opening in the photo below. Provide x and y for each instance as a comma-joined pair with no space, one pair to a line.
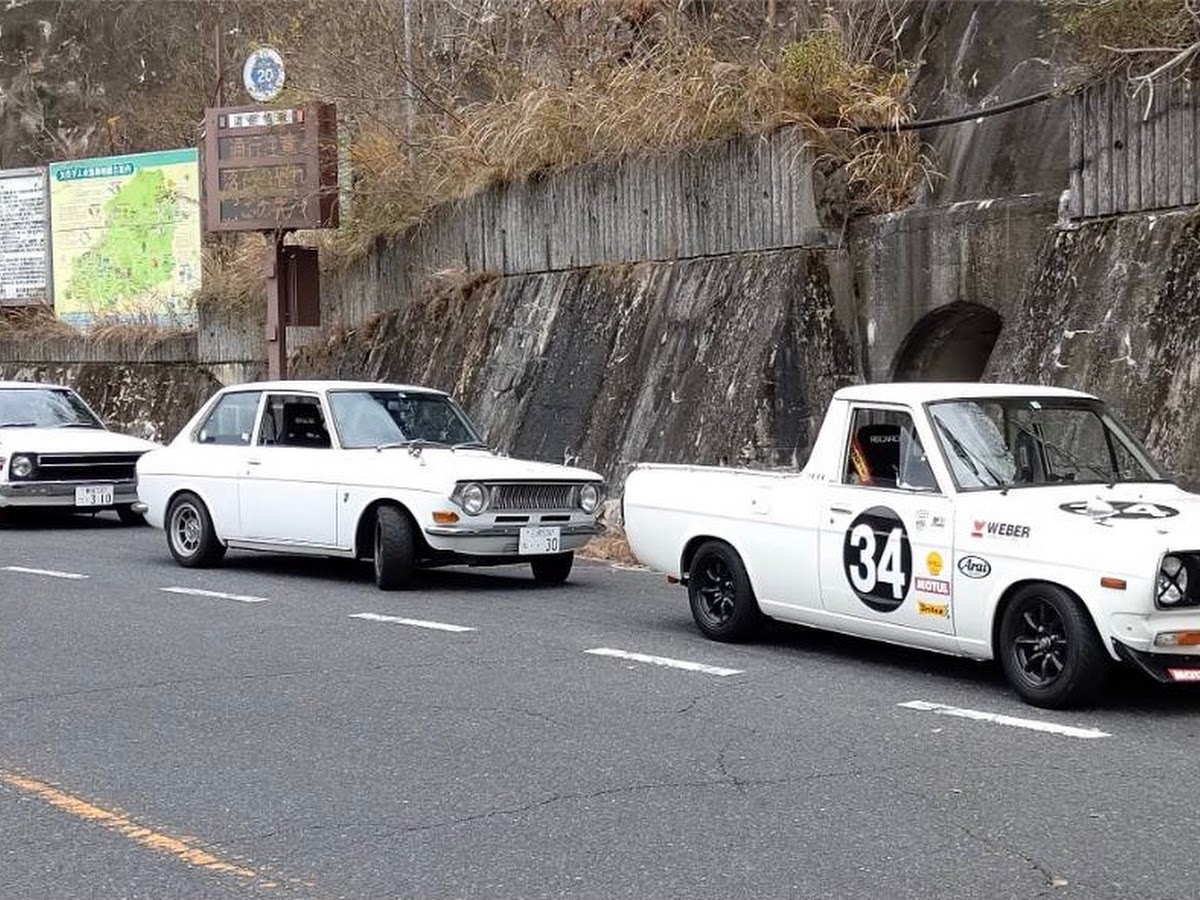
952,343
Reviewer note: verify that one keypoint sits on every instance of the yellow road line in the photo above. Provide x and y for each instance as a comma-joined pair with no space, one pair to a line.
147,837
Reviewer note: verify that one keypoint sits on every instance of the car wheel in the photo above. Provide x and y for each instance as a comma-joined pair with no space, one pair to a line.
190,534
128,517
552,568
1049,649
394,549
722,600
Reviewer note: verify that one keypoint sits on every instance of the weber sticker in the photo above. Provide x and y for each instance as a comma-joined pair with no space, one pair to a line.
984,528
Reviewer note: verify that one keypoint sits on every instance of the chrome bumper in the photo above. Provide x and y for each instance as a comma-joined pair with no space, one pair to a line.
566,529
61,493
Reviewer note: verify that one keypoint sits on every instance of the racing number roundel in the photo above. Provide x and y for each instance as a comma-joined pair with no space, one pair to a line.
878,558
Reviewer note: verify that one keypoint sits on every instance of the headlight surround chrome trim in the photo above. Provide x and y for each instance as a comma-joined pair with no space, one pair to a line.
472,496
590,495
21,466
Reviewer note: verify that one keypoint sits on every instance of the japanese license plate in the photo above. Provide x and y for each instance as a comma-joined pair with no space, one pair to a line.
94,495
535,539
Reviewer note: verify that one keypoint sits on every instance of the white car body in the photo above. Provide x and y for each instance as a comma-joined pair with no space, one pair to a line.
322,499
82,468
970,549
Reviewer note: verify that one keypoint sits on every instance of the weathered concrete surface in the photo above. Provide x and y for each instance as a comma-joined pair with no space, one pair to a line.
724,359
1114,308
907,265
973,55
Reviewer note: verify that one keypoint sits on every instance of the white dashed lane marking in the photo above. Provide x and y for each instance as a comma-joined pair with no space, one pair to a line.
217,595
49,573
665,661
1011,721
416,623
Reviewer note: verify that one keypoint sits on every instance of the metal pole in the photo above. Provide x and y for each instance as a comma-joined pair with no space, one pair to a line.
410,98
276,310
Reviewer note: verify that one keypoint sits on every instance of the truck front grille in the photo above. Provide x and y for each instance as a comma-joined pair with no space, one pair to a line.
532,496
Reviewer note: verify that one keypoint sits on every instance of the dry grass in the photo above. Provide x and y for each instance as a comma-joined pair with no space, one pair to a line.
1100,33
611,547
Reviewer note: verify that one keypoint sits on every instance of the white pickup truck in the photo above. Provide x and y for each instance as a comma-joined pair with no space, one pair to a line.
992,521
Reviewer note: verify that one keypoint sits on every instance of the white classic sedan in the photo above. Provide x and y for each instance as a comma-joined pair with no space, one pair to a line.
55,452
388,472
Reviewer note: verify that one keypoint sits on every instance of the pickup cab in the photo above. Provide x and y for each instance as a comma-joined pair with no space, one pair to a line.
1010,522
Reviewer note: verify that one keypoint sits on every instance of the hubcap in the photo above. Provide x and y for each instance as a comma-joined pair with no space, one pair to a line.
185,530
716,589
1040,644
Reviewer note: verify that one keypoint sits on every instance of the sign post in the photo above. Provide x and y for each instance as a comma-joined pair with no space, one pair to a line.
274,171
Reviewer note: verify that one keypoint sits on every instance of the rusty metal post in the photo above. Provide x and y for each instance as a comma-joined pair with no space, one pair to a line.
277,302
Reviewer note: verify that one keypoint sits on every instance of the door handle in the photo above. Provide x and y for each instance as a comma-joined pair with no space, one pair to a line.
258,462
843,510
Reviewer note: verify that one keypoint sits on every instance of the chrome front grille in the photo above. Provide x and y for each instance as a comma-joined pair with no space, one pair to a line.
532,496
85,467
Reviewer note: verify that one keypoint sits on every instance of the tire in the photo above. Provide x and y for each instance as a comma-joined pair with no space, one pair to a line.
191,537
1049,648
722,600
394,553
128,517
553,568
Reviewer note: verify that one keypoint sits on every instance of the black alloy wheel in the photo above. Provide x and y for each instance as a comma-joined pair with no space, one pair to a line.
1049,648
722,600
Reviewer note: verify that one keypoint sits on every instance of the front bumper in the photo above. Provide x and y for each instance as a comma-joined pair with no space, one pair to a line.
503,539
61,493
1166,667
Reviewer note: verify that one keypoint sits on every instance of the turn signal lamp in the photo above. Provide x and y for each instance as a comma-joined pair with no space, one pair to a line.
445,517
1177,639
1117,584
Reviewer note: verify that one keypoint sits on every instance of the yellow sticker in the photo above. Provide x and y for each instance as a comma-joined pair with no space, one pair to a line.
934,562
941,610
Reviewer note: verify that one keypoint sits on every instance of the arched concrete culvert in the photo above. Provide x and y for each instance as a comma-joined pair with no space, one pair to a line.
952,343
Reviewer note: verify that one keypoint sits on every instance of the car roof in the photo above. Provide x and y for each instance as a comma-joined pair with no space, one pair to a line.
314,386
30,385
931,391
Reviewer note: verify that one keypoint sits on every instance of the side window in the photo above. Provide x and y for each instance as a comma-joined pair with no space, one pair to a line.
885,451
231,420
293,420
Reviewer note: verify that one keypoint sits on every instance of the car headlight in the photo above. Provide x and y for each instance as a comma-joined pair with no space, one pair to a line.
1172,581
21,466
473,498
589,498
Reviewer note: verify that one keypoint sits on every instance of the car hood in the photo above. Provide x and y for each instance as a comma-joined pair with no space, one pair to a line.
450,466
1080,523
70,440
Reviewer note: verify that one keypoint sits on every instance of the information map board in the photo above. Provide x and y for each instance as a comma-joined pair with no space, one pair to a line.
24,265
125,237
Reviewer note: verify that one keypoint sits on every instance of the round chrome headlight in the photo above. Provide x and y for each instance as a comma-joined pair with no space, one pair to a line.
1172,581
589,498
473,498
21,466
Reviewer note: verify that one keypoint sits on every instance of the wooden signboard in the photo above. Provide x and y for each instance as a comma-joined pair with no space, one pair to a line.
270,169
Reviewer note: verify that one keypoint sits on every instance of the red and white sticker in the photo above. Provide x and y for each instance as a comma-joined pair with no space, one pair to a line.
1184,674
932,586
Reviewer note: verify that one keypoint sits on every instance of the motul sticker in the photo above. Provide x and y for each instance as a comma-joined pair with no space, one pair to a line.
1184,674
931,586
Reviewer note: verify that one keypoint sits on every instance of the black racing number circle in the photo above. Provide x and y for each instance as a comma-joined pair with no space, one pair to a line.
877,558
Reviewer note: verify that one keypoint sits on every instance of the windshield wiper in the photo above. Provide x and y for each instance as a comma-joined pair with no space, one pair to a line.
470,445
77,425
1071,459
966,456
18,424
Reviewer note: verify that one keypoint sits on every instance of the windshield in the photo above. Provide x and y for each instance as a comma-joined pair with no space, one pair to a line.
381,418
1015,442
44,408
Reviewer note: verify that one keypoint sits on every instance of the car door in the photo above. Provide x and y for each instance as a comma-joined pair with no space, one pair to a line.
287,492
886,531
215,458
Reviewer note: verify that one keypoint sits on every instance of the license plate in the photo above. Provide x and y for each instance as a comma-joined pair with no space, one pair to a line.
535,540
94,495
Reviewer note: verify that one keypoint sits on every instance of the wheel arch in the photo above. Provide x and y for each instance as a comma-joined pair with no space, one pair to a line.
364,537
695,542
199,495
1007,596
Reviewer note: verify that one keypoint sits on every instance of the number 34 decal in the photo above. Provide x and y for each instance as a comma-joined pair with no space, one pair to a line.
877,558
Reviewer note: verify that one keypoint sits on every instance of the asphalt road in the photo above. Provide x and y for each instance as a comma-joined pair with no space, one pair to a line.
157,744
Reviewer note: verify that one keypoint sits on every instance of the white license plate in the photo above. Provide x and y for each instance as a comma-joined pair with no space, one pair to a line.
535,539
94,495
